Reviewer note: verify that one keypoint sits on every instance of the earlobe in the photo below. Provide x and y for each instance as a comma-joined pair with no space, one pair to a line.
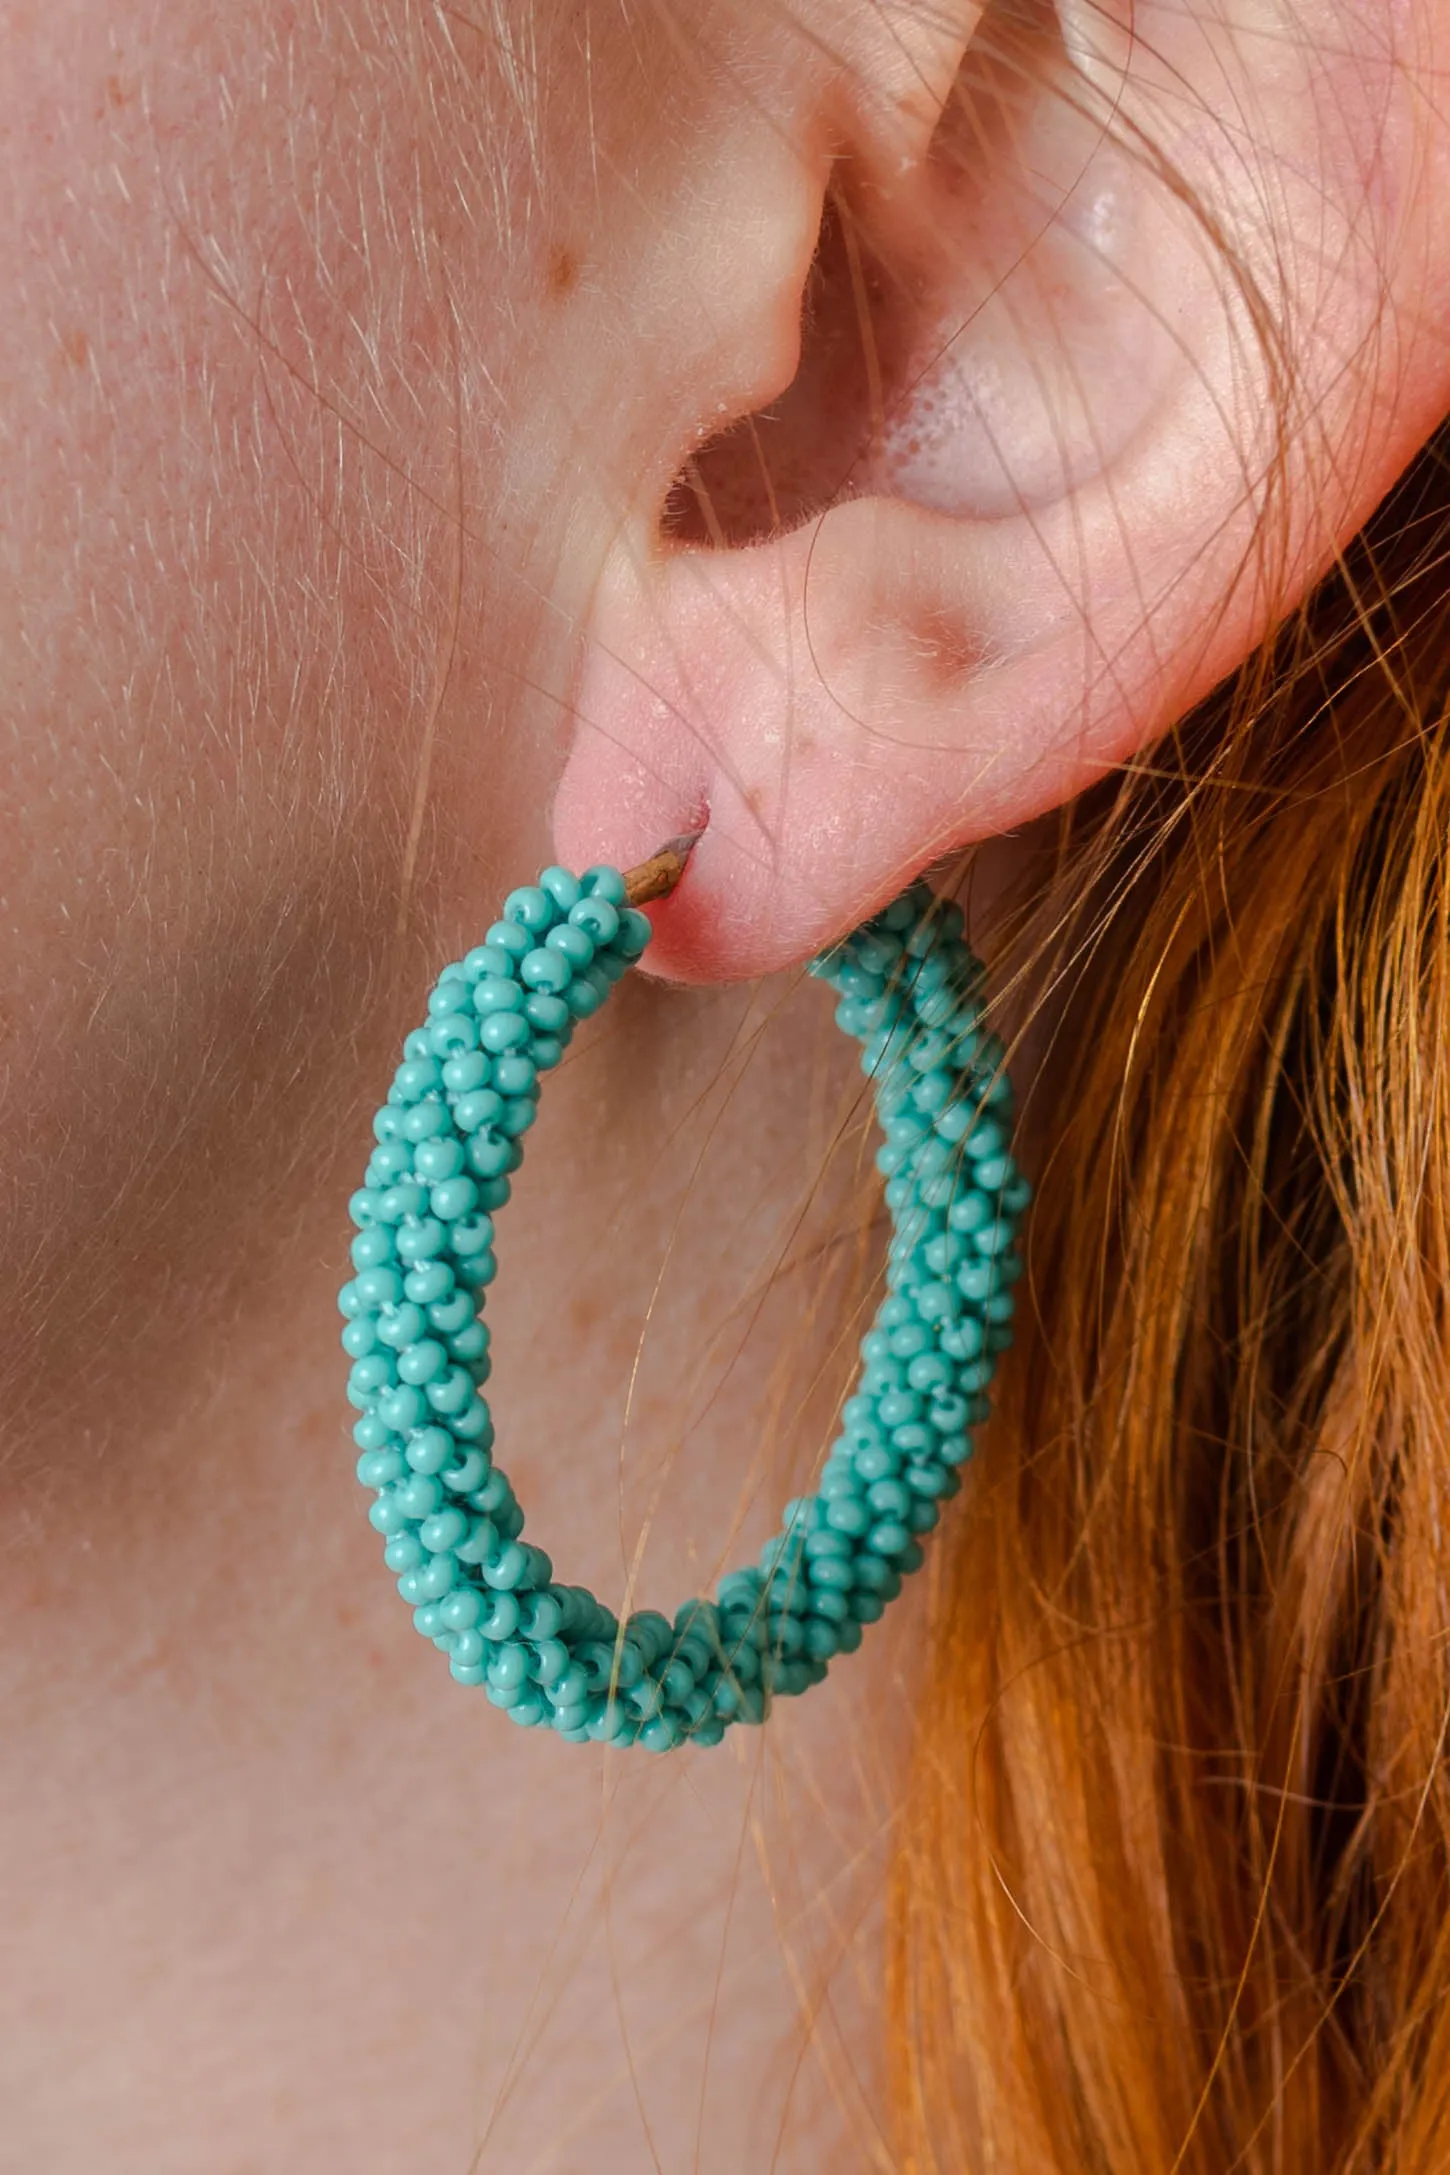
835,709
990,542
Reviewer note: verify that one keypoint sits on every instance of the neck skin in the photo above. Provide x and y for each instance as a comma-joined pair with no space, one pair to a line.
277,1893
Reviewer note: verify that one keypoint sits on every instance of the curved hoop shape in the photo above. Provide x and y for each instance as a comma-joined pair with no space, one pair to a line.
448,1137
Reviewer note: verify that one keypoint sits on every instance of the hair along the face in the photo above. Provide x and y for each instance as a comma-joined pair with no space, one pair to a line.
1170,1886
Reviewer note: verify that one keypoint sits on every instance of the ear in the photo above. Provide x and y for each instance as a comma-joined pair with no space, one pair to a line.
1056,384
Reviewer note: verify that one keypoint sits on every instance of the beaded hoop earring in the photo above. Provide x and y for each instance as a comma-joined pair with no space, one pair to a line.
448,1137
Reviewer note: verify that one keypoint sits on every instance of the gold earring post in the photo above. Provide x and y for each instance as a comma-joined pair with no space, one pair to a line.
657,877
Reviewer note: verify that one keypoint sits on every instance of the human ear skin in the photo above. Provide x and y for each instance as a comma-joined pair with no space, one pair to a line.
1103,429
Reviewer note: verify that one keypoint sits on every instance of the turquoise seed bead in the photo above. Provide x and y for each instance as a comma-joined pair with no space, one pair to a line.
499,1032
497,993
585,995
545,970
487,959
455,1198
515,1073
475,1111
604,883
422,1239
451,1314
428,1282
358,1338
573,944
531,907
510,939
438,1159
467,1073
446,1142
547,1014
564,888
634,933
597,918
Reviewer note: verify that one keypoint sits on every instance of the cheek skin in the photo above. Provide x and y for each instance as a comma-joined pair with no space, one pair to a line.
230,578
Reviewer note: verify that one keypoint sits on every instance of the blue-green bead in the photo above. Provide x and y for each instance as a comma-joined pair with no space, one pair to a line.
597,918
472,1240
438,1159
546,969
478,1114
379,1468
531,908
500,1032
403,1409
424,1121
463,1610
428,1282
454,1199
575,946
429,1450
406,1198
876,950
421,1362
367,1376
466,1074
444,1530
468,1472
420,1241
386,1516
373,1248
516,1116
585,995
488,959
387,1170
546,1013
510,938
508,1667
374,1288
610,965
359,1337
507,1567
450,1391
495,994
363,1207
562,886
634,933
404,1552
515,1073
603,882
848,1515
415,1078
473,1426
450,1313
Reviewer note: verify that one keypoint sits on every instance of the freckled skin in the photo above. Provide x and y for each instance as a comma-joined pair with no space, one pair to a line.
347,362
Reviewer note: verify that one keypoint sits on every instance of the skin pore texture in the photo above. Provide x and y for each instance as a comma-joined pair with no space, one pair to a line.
385,395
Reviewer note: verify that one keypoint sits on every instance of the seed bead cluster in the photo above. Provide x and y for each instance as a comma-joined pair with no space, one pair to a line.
448,1139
